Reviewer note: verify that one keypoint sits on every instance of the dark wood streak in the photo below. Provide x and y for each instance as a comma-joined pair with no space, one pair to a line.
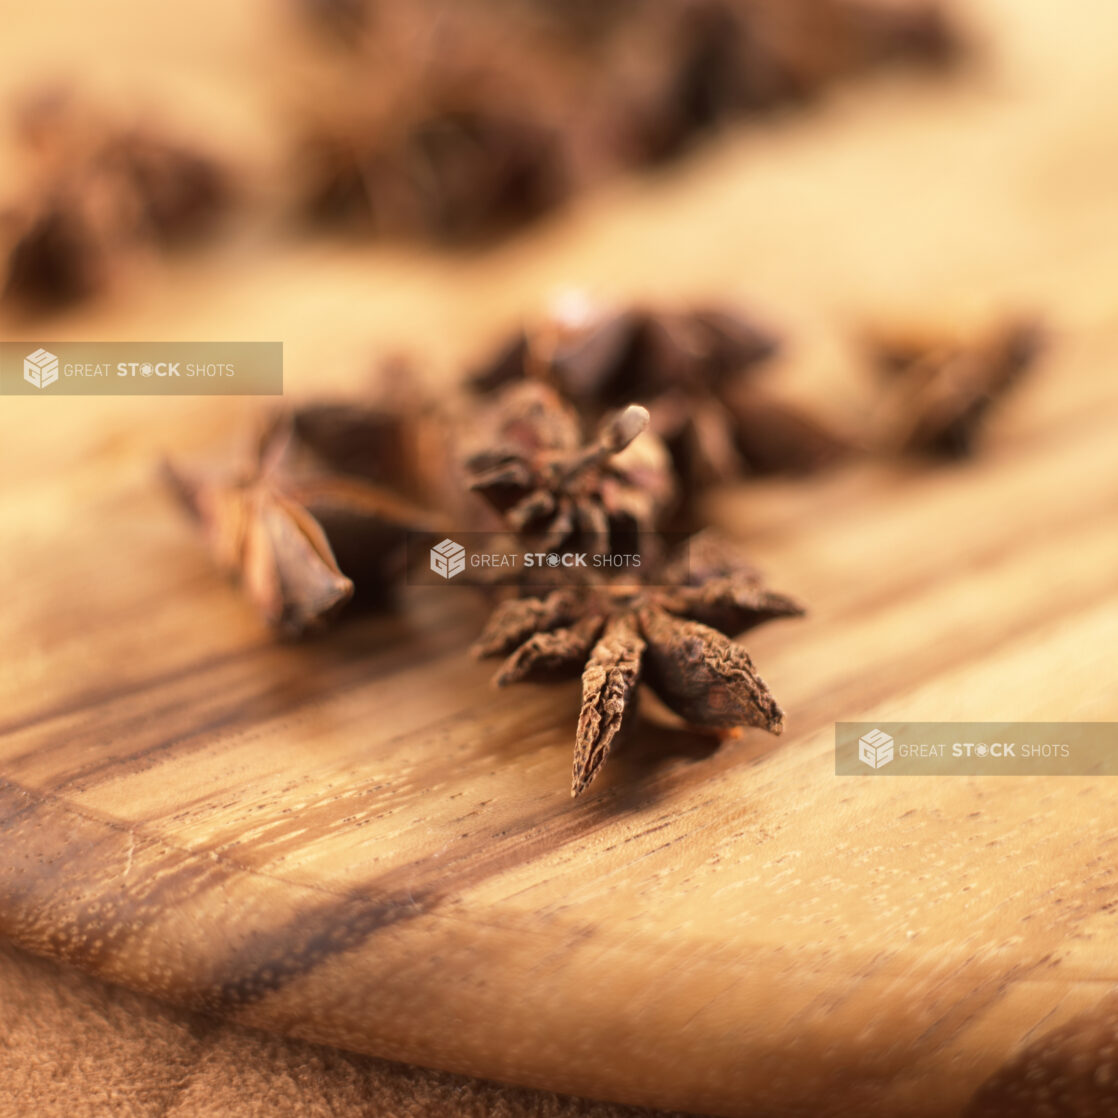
48,905
269,960
335,669
84,702
1069,1070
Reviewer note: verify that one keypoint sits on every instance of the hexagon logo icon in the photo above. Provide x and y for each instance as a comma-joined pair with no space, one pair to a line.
40,368
448,559
875,749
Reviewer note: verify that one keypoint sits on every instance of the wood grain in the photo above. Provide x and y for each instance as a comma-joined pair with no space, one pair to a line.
356,840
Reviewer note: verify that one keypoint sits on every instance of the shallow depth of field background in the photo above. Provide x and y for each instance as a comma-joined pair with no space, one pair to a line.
939,198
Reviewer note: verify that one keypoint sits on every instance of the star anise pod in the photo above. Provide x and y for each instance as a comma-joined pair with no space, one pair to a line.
442,127
340,22
815,43
703,63
692,65
176,193
944,387
57,256
546,482
97,192
471,117
695,372
671,634
450,175
281,523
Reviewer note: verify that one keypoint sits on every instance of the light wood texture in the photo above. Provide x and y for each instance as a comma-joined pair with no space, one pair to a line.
355,840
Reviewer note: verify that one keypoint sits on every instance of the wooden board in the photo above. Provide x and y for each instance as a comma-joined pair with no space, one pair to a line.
355,840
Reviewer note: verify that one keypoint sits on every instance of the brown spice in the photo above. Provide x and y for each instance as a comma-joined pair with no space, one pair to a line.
451,175
540,476
695,372
943,388
57,257
97,192
279,525
671,634
473,117
706,62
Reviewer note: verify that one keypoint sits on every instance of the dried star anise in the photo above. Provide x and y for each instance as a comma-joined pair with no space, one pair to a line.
458,119
537,472
98,191
57,256
702,63
286,527
693,370
340,22
945,387
705,62
448,120
671,634
680,68
451,175
176,193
